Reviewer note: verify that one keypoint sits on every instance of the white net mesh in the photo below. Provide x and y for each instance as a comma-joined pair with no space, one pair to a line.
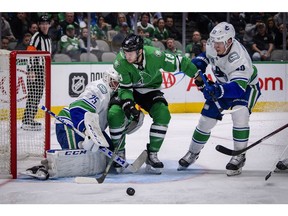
27,126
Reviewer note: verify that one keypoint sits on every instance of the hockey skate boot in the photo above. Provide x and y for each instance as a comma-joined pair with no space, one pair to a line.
234,167
118,167
188,159
282,165
153,164
31,125
38,172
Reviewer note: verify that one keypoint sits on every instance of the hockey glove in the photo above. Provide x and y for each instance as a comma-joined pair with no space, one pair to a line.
130,110
200,83
213,92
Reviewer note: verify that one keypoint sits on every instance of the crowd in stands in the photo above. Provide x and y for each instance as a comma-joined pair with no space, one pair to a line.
260,33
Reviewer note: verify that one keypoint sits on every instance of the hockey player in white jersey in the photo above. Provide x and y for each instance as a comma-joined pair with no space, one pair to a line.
236,87
73,159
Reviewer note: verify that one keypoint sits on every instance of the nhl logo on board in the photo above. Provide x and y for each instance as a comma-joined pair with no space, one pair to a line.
77,83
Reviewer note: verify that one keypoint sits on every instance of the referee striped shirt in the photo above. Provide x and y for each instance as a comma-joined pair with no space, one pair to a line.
40,42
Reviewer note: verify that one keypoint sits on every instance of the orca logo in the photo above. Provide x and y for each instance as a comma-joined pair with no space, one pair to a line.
77,83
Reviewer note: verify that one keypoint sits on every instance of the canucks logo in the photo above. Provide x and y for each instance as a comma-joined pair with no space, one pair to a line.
233,56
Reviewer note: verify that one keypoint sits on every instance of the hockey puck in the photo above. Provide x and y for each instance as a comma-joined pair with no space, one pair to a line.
130,191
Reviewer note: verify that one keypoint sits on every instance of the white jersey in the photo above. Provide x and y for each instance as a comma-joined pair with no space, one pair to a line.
95,98
234,66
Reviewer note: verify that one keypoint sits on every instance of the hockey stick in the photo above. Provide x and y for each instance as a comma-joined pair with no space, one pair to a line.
274,165
101,179
131,167
221,110
230,152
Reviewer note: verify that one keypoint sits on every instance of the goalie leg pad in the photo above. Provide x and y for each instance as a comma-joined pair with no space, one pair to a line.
75,162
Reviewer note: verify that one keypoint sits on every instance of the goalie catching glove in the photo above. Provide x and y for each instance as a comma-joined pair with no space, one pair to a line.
130,110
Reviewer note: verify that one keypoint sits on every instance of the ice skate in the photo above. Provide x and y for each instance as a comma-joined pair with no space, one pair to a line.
234,167
118,168
188,159
38,172
31,125
282,165
153,164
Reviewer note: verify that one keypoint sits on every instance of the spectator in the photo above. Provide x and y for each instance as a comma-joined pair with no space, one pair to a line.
83,41
263,44
112,18
194,48
6,30
19,25
147,41
70,20
172,30
279,37
121,18
250,32
4,43
145,24
271,27
25,42
120,36
101,29
161,33
55,32
33,28
278,18
171,48
238,21
69,43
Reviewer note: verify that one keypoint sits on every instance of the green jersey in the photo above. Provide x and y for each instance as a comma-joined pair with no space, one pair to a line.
149,77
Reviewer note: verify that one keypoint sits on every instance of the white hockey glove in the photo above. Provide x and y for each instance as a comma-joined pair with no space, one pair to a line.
93,130
89,145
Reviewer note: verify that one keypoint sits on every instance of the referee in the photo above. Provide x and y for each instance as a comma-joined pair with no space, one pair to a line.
36,78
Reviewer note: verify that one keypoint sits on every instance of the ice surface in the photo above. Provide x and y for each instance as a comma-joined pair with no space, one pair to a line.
205,182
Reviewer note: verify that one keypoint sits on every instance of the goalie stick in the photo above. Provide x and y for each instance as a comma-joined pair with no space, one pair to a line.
231,152
274,165
221,110
131,167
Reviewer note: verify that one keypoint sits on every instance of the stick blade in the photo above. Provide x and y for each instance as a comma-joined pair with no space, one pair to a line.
224,150
268,176
85,180
136,165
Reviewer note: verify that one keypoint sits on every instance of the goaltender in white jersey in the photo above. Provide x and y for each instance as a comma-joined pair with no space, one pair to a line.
87,115
236,87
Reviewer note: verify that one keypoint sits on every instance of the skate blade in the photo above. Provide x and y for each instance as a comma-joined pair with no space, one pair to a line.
152,170
234,172
181,168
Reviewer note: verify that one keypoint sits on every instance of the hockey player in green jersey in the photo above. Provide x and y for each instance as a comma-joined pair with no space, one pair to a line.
139,67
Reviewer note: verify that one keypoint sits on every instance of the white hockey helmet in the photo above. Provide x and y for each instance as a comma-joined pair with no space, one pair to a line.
222,33
112,78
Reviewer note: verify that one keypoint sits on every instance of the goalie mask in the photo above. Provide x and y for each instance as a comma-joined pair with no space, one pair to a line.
111,78
220,37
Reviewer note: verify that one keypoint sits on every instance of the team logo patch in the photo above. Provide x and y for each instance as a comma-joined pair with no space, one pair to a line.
158,53
102,88
233,56
116,63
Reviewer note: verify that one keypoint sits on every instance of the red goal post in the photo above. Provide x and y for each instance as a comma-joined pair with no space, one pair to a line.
17,144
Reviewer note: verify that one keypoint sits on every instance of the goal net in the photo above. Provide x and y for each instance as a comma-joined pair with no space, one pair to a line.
24,129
